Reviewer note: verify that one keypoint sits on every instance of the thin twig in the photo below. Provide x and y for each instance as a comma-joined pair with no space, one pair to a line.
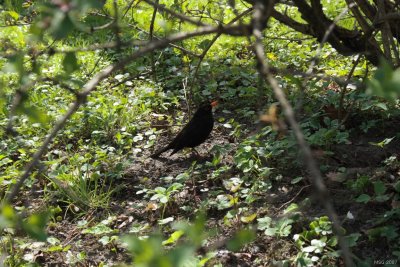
102,27
293,198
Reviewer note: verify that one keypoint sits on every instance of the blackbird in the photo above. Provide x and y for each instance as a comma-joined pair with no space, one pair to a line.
195,132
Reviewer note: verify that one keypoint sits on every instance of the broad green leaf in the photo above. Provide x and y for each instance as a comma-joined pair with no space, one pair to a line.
240,239
34,114
382,143
364,198
61,25
35,226
54,248
104,240
14,15
99,229
332,242
204,44
16,64
397,186
264,223
248,219
379,188
309,249
297,179
385,83
52,240
173,237
352,239
271,231
166,220
70,62
293,207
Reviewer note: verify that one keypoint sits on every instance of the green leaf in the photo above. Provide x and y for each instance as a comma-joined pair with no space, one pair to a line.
99,229
144,250
291,208
382,106
70,62
285,230
379,188
297,179
166,220
248,219
173,237
7,217
385,83
8,212
333,241
204,44
163,199
239,239
35,226
55,248
352,239
271,231
52,240
14,15
16,64
104,240
34,114
364,198
389,232
382,143
309,249
61,24
264,223
382,198
397,186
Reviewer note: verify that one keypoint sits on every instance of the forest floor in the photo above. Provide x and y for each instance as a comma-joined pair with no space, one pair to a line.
127,208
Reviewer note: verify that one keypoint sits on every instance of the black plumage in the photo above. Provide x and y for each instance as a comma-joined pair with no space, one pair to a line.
195,132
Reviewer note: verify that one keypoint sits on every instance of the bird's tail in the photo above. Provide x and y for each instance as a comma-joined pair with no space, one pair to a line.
159,152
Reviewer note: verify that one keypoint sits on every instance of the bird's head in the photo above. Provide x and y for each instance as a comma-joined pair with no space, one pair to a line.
207,106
